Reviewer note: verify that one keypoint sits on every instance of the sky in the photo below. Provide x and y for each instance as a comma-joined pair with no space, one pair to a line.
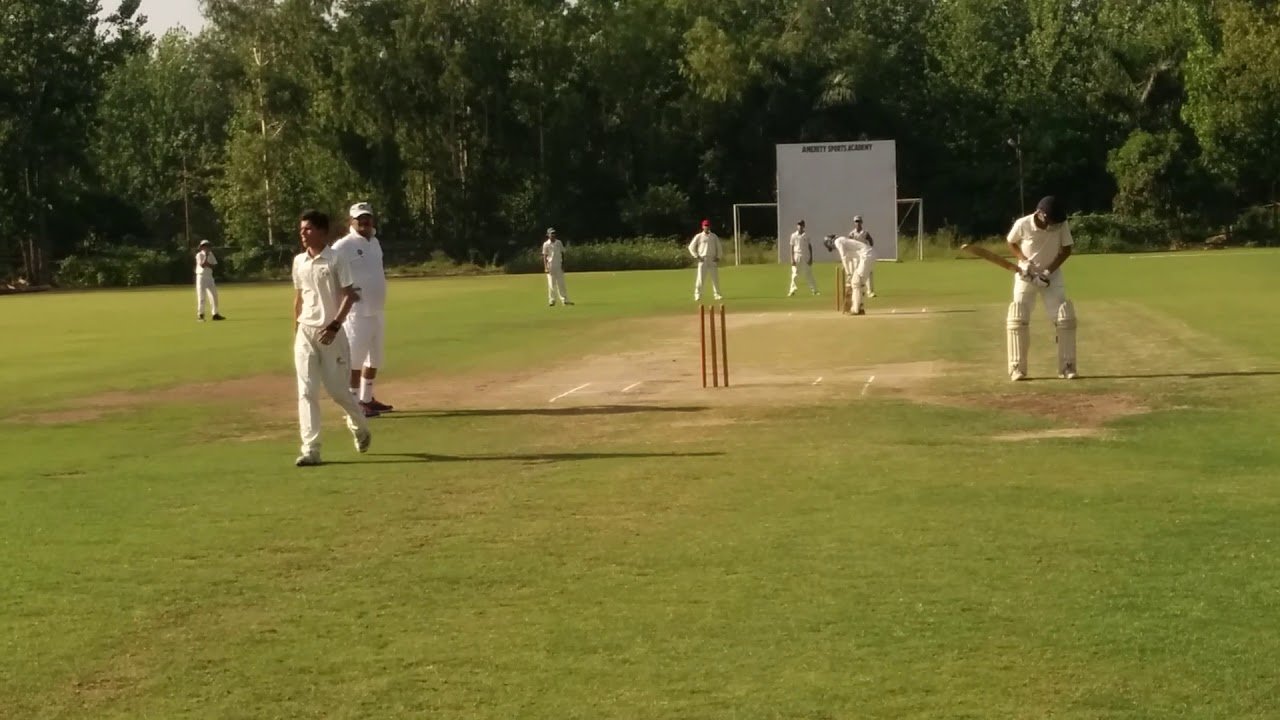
164,14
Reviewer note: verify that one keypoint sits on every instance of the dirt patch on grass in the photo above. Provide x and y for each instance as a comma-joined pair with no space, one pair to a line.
1084,410
652,365
1058,433
250,390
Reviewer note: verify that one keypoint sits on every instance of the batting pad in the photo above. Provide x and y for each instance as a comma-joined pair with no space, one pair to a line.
1066,325
1019,338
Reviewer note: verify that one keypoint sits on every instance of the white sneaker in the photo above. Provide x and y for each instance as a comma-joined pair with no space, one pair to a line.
1068,373
307,460
719,297
871,294
1017,375
362,439
792,293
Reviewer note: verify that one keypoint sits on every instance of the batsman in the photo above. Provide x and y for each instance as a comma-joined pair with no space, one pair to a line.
1041,242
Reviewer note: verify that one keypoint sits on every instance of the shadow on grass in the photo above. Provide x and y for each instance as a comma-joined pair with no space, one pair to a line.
1188,376
895,311
568,411
387,458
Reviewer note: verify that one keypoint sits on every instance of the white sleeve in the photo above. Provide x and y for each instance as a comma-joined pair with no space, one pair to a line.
1015,232
213,259
342,267
693,246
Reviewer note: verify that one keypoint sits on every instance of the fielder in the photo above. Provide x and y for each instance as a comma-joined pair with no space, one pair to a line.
1041,242
801,260
324,293
705,248
857,233
205,262
553,266
365,325
856,257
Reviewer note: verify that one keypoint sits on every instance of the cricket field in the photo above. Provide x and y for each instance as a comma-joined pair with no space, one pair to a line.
559,522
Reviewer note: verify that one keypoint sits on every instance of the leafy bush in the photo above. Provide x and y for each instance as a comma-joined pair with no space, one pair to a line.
641,253
1107,232
122,266
1255,226
257,262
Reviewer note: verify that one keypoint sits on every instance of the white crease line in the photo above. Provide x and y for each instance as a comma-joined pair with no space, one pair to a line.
867,386
568,392
815,382
1207,253
632,386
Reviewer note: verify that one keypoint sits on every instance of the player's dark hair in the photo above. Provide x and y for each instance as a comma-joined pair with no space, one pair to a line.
316,219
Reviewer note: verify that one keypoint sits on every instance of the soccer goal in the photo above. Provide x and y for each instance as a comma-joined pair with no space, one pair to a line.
737,227
905,207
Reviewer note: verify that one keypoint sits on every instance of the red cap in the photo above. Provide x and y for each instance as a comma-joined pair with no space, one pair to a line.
706,223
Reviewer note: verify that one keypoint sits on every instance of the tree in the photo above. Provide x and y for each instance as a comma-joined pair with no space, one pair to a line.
1233,97
52,60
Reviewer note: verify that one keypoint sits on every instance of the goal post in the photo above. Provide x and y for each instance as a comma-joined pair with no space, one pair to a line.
905,206
737,225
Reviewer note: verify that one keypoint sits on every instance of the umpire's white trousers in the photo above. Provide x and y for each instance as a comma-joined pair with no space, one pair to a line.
555,286
706,268
205,284
328,366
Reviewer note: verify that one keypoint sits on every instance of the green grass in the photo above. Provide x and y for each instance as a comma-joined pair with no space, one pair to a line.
760,552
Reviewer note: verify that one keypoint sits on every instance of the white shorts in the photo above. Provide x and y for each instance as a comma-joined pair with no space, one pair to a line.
364,333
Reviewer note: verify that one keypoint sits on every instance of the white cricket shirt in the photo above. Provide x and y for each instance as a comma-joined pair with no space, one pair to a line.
202,257
800,247
365,258
321,279
705,246
1041,246
553,254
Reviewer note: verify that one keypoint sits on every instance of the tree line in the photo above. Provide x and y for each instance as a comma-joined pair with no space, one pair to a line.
473,124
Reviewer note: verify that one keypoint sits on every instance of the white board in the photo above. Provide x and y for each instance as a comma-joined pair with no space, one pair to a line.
826,184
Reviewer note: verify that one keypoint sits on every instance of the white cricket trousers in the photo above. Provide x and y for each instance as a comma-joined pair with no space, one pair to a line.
1024,294
205,284
802,268
364,338
328,366
706,268
556,288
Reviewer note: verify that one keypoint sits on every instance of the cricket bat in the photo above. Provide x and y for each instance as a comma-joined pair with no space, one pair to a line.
990,257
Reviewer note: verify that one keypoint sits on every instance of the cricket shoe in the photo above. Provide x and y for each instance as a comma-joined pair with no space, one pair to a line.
369,410
380,407
551,304
1068,372
216,316
307,461
1015,375
791,293
200,318
362,439
567,302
